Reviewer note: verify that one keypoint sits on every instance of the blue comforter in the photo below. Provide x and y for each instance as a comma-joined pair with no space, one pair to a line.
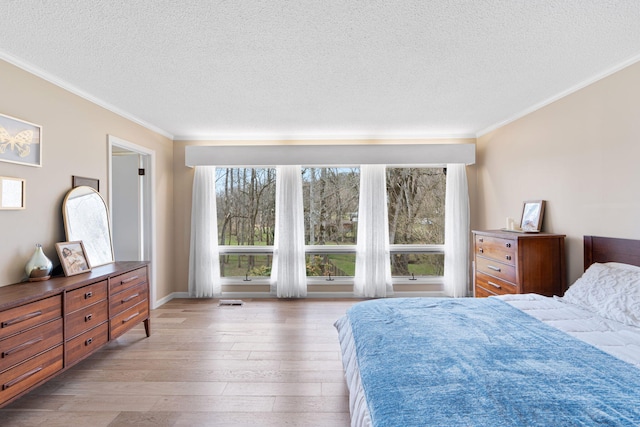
482,362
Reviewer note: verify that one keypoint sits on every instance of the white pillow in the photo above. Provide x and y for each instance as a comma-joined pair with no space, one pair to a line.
622,266
611,291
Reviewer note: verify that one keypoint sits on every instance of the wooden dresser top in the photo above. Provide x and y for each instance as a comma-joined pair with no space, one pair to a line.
24,292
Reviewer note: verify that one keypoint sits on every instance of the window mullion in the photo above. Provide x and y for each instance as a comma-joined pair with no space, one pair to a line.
403,249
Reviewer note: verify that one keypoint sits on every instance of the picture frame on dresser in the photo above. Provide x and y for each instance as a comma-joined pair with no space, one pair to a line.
532,214
73,258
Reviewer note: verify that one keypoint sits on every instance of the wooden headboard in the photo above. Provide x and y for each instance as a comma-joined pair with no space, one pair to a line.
610,249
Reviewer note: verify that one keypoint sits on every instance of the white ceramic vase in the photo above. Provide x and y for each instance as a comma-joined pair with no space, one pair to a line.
39,266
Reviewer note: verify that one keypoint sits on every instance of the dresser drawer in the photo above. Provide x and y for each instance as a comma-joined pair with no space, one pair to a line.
128,319
18,319
86,343
497,269
127,280
19,378
84,319
19,347
127,298
493,286
82,297
481,292
503,250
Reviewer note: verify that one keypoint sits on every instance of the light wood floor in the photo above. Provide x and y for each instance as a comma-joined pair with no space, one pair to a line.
267,363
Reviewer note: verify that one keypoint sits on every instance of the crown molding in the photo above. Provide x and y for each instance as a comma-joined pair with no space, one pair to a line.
30,68
561,95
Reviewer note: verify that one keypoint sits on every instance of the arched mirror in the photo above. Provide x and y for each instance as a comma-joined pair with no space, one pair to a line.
86,218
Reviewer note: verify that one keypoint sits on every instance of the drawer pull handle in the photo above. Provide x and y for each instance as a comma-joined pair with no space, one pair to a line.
88,341
481,250
21,378
491,267
130,279
130,298
21,319
129,318
21,347
88,317
508,245
508,257
495,285
88,295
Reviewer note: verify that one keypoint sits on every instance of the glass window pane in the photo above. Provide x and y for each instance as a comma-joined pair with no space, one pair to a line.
236,265
416,205
245,200
330,205
417,264
334,264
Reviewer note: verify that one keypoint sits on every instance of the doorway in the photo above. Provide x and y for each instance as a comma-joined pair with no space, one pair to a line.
131,195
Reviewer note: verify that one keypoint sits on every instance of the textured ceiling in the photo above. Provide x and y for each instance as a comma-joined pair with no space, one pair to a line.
321,68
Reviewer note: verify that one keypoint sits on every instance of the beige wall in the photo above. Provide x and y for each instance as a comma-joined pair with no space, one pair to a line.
74,143
183,177
580,154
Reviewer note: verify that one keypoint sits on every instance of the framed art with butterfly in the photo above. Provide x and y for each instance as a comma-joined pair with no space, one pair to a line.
20,141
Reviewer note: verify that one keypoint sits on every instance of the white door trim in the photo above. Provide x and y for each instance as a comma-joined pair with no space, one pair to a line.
115,141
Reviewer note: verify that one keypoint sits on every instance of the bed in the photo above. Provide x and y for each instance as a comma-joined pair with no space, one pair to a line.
513,360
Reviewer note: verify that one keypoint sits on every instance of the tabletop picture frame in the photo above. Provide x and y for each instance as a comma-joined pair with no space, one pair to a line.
532,214
73,258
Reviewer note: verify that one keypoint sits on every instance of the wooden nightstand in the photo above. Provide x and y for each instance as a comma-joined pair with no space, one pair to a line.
517,263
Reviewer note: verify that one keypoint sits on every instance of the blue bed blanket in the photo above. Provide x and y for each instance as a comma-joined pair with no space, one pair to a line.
482,362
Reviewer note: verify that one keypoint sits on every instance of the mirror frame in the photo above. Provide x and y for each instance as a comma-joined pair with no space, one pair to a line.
83,189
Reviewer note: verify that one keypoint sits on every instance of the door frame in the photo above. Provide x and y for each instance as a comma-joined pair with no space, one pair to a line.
148,202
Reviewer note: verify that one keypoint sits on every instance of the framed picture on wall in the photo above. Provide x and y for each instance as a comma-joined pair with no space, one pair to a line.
12,193
20,141
532,213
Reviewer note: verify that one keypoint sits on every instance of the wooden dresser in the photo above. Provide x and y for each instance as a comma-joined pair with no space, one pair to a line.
47,327
516,263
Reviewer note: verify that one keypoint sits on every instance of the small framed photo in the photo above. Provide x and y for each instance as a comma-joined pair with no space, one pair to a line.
532,213
12,193
73,258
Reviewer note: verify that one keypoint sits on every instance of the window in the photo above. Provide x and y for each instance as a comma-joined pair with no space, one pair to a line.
331,265
331,220
234,263
416,205
245,200
246,221
330,205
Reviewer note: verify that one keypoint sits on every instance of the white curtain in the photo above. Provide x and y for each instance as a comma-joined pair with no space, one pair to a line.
456,232
288,273
204,255
373,262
